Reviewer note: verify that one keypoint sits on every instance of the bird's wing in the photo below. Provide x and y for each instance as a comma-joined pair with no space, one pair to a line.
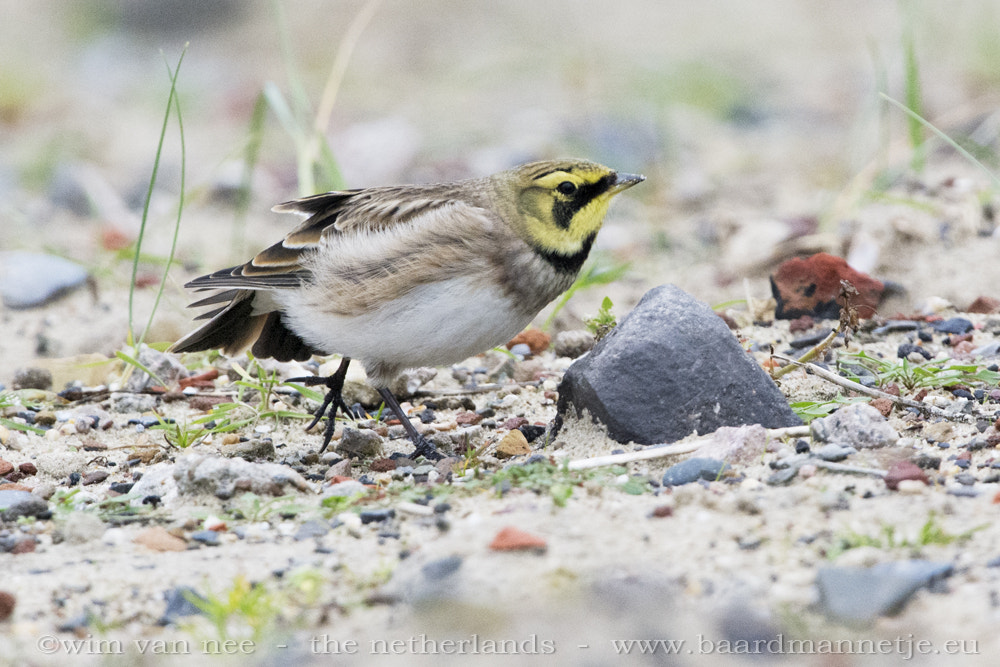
372,211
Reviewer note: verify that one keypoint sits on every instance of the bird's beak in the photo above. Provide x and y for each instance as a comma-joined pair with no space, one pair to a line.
625,181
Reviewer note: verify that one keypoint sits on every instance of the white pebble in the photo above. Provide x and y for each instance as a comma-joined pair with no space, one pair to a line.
911,487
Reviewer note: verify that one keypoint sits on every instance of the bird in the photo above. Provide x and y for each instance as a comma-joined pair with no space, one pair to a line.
407,276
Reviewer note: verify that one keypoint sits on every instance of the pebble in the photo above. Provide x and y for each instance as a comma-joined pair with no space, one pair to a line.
81,527
856,425
834,453
30,279
6,467
861,595
904,470
694,469
514,539
441,568
165,366
7,603
910,487
125,402
310,529
207,537
784,476
179,605
32,378
573,343
373,516
965,478
360,443
954,325
156,538
15,503
345,489
513,444
95,477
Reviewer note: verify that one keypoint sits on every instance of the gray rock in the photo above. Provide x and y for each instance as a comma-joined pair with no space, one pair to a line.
125,402
312,528
222,477
860,595
360,443
81,527
30,279
209,538
179,605
166,367
573,344
441,568
411,380
834,452
15,503
32,378
856,425
669,368
255,448
692,470
346,489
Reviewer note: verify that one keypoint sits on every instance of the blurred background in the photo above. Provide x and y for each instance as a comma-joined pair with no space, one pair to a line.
759,126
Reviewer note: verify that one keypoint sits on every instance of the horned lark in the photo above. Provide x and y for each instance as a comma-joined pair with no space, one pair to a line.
407,276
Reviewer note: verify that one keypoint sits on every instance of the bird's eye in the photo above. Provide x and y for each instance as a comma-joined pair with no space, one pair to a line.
566,187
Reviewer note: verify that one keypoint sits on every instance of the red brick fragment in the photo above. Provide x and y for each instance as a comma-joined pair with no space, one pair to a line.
811,286
984,305
904,470
515,539
536,340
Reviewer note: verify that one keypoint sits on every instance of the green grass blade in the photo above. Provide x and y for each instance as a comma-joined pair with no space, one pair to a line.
180,198
948,140
914,102
149,197
132,361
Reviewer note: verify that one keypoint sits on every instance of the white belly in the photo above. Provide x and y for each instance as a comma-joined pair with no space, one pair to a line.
436,324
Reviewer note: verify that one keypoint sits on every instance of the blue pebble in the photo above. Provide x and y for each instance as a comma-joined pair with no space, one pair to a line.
694,469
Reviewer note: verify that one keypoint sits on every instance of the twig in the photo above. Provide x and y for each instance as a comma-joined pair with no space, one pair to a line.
642,455
673,450
842,467
808,356
875,393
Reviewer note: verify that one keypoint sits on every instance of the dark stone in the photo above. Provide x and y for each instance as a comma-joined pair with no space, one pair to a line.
179,605
694,469
441,568
954,325
207,537
32,378
312,528
859,596
895,325
905,349
531,432
29,279
669,368
371,516
122,487
15,503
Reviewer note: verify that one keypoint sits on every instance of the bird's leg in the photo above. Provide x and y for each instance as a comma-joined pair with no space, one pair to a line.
334,399
422,446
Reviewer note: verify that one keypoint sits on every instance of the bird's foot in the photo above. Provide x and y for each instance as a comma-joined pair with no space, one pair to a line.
333,400
424,447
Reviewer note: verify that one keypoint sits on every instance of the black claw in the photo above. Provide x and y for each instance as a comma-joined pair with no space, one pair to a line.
422,446
333,400
425,448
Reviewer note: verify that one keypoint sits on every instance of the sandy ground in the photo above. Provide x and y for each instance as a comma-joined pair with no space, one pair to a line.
762,137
